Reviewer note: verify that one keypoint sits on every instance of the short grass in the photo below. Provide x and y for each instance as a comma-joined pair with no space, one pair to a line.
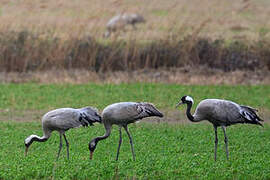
163,152
46,97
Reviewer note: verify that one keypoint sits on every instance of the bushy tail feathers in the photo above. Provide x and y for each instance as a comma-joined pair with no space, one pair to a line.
249,114
151,110
89,115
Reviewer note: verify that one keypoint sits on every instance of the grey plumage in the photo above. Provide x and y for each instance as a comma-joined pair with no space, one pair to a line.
122,114
62,120
120,21
221,113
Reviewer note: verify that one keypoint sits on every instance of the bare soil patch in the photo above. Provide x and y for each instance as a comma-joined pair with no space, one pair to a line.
170,116
187,75
21,116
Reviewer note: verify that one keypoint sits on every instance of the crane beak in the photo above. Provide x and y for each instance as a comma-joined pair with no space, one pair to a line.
91,155
26,150
178,104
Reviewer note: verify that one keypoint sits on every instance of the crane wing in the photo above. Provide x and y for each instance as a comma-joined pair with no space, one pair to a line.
218,111
250,115
66,118
146,110
249,108
130,112
88,116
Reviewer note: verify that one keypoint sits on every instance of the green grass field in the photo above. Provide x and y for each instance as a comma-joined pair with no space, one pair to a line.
165,96
163,151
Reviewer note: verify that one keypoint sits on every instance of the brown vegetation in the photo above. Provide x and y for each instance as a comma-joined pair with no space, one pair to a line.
69,18
186,75
187,36
23,52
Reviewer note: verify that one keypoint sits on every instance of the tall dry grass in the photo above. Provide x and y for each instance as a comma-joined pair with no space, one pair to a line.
25,51
243,19
226,35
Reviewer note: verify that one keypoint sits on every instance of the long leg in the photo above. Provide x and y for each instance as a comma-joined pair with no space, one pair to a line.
60,146
130,140
120,142
67,145
226,141
216,142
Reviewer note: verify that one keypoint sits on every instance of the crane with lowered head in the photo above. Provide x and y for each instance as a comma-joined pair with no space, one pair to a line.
62,120
122,114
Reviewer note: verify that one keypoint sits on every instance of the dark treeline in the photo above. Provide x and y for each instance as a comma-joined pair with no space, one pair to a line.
24,51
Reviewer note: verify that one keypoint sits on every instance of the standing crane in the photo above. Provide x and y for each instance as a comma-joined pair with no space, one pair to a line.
122,114
62,120
220,113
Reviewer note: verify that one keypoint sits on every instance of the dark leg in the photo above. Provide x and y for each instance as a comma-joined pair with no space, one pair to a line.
67,145
216,142
130,140
226,141
60,146
120,142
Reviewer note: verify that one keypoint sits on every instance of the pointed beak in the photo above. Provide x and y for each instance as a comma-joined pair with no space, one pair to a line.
26,150
178,104
91,155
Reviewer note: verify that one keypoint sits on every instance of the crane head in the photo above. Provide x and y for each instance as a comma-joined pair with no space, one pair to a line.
92,147
27,142
185,100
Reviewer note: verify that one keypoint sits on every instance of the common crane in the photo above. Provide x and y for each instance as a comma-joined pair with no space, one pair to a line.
62,120
220,113
120,21
122,114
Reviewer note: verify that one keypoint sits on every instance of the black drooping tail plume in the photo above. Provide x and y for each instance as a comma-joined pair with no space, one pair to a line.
148,109
88,116
249,114
153,111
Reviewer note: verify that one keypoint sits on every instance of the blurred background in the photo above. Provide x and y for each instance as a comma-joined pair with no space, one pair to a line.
181,41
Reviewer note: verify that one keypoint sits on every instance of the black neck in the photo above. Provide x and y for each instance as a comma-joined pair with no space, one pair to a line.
106,135
189,115
38,139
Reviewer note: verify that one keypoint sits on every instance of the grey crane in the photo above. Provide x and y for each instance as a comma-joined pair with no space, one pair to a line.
220,113
120,21
62,120
122,114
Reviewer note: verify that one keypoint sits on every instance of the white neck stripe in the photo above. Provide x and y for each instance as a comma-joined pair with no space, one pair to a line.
188,98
